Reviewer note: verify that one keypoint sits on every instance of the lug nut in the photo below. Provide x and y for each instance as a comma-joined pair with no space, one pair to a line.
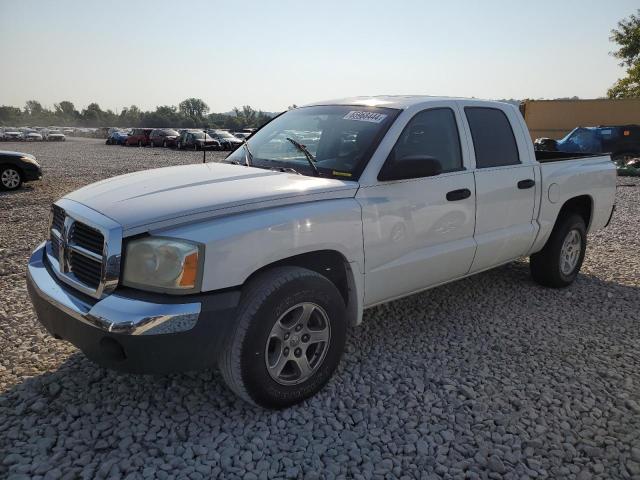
286,351
298,352
298,328
305,337
286,336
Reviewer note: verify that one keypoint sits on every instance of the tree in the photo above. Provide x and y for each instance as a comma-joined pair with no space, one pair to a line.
627,36
33,108
66,108
93,115
194,108
10,116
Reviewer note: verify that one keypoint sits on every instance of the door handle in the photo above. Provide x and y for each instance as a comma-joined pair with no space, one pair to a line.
528,183
461,194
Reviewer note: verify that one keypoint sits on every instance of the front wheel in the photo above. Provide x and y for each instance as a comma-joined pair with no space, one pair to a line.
10,178
287,340
558,263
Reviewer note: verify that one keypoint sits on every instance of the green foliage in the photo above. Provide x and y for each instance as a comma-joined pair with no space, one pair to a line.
627,36
190,113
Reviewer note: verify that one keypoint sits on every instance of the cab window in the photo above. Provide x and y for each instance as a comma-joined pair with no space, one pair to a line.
431,133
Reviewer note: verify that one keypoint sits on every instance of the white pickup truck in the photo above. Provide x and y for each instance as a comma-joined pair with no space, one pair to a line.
260,262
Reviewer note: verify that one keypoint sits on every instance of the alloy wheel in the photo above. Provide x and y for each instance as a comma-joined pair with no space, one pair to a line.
10,178
298,342
570,252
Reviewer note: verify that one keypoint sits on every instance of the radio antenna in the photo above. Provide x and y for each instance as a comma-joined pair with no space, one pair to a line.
204,146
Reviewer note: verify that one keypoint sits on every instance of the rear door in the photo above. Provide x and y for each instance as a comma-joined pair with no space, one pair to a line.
505,186
419,232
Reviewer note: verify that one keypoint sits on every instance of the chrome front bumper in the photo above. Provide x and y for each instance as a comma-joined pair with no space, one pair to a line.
115,313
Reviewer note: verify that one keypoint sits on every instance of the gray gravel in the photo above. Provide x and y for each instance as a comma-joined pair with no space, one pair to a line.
490,377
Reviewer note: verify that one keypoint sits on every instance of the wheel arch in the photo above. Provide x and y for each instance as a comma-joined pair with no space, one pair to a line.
582,205
334,266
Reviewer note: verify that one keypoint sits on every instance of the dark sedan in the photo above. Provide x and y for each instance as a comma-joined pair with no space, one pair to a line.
227,141
163,137
197,140
17,168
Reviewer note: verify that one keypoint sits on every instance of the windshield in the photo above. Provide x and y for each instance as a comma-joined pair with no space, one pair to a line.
341,138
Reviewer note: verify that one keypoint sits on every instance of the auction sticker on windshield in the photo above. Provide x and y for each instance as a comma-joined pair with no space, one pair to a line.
365,116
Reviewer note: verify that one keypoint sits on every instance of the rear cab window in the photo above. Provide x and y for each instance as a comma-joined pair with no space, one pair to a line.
493,139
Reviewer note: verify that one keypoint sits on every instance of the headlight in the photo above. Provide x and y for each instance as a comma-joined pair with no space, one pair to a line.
162,265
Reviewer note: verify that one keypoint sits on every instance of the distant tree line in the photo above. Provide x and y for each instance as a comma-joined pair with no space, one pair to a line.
192,112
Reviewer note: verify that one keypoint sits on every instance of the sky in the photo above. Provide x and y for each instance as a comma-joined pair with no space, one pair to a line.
272,54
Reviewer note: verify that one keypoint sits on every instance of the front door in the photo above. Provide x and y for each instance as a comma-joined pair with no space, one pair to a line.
419,232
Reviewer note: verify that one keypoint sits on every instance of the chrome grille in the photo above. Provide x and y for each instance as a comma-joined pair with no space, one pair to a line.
57,225
86,237
84,248
87,270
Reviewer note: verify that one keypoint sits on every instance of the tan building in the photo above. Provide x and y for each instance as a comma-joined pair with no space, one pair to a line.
556,118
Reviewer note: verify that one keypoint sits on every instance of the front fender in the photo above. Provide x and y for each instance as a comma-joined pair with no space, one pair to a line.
238,245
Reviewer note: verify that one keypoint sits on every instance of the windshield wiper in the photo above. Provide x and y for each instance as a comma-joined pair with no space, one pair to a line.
285,169
310,158
248,157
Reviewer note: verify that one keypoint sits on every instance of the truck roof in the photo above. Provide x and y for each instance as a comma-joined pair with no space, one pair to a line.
391,101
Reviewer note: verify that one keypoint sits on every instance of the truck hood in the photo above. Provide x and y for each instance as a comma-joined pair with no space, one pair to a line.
163,197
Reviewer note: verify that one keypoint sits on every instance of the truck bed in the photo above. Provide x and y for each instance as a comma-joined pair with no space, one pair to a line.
546,157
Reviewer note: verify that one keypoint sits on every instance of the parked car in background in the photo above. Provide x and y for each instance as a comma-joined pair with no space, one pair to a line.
196,140
31,136
241,135
12,134
117,137
138,137
622,142
69,131
17,168
55,136
227,140
163,137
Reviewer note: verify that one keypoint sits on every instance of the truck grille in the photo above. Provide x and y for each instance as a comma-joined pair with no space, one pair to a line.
86,237
80,251
88,271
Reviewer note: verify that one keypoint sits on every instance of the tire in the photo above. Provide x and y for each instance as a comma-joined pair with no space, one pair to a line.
279,296
139,143
557,265
10,177
164,144
151,144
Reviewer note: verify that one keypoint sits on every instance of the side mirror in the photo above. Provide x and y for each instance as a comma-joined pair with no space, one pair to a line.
412,166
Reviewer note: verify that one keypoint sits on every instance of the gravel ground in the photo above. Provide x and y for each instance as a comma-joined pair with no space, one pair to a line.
489,377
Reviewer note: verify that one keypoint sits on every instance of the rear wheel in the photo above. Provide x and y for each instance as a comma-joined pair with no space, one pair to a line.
288,338
164,144
10,178
139,143
558,263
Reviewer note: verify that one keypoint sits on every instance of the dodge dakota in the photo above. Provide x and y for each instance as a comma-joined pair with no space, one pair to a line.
259,263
